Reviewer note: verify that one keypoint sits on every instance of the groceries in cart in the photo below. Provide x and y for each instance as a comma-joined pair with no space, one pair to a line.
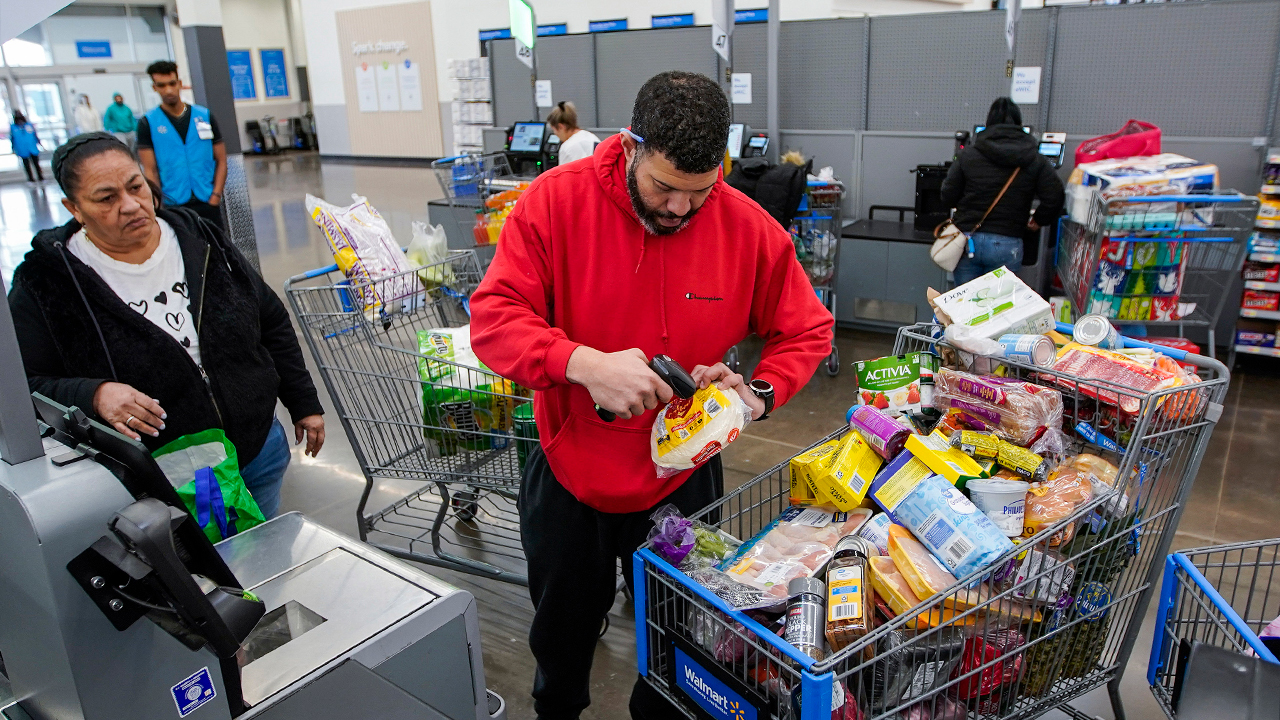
690,431
994,304
1163,174
897,384
465,406
365,251
816,251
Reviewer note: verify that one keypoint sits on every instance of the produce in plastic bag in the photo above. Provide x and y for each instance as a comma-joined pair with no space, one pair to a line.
1056,499
1019,412
796,544
688,543
365,250
428,247
689,432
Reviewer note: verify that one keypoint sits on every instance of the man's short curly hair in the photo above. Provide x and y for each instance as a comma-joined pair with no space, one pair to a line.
684,116
162,67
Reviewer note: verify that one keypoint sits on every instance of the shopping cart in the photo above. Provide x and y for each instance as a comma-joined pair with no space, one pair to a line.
1224,596
1156,261
481,191
815,233
433,437
1014,650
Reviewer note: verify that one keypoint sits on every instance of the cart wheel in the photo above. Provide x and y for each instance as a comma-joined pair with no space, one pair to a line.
731,358
464,504
604,626
833,362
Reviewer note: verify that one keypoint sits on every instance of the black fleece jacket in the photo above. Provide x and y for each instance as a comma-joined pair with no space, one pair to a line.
248,347
981,170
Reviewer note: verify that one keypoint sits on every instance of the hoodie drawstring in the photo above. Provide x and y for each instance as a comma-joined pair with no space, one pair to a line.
662,288
62,252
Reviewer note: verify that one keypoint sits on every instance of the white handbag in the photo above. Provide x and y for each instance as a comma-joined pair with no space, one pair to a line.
950,242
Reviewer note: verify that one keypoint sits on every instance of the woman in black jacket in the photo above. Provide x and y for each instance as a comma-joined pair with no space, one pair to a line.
975,180
150,319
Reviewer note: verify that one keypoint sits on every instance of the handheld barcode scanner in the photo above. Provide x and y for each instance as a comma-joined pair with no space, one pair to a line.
672,373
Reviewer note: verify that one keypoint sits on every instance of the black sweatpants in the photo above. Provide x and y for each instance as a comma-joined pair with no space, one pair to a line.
33,162
572,551
212,213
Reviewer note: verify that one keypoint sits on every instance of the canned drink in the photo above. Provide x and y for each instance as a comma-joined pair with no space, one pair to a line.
1096,330
526,431
1035,350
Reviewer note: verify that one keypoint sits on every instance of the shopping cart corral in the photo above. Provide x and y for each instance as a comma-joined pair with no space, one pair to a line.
1223,596
1163,261
434,441
1014,649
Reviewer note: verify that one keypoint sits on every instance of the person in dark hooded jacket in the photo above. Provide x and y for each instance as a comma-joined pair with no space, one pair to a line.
150,320
975,179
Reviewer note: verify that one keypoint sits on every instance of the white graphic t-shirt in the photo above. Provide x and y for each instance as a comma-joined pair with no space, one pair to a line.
157,288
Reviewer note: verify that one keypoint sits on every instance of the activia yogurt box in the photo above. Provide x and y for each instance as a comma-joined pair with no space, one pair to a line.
891,384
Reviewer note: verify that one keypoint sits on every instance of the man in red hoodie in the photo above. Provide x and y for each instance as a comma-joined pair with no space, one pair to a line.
639,250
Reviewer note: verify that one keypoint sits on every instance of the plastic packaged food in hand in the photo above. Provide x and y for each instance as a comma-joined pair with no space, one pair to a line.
796,544
1018,412
689,432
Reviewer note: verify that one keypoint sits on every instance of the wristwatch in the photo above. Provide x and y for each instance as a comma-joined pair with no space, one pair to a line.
764,391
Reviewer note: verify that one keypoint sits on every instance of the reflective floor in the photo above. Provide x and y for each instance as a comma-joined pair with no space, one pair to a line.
1235,497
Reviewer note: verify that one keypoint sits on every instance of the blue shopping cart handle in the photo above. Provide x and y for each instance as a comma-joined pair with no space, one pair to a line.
451,159
1182,198
1221,603
315,273
1175,353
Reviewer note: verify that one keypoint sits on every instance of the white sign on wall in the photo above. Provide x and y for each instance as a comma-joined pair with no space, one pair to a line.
1026,85
388,92
542,93
741,94
366,88
410,76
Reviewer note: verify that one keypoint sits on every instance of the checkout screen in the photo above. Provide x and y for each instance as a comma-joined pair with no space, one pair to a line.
527,137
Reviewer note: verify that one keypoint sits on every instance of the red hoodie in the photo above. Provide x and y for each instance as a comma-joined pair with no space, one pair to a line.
575,267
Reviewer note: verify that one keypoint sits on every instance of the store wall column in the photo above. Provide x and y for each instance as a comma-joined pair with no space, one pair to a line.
201,22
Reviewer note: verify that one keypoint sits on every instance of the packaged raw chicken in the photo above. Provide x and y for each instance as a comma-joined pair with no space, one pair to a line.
797,544
1016,411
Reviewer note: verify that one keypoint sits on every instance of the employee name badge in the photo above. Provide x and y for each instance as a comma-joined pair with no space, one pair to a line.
204,130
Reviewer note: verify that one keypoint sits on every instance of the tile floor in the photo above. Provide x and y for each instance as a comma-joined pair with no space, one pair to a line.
1236,495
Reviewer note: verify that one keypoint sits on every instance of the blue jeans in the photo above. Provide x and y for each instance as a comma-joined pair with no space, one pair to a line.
990,251
265,475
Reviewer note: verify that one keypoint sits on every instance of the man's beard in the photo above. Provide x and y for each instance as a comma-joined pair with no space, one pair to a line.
649,218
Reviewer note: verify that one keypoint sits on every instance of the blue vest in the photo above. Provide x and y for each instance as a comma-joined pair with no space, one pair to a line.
186,169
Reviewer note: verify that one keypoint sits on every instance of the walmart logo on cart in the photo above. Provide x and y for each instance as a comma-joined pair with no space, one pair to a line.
704,689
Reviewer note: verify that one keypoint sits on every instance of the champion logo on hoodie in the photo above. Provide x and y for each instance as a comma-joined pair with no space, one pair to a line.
695,296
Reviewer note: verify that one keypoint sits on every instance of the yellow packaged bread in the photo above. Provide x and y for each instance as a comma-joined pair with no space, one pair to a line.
802,467
846,475
923,572
936,452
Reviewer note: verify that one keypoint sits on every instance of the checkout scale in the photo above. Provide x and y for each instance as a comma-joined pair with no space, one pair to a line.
114,604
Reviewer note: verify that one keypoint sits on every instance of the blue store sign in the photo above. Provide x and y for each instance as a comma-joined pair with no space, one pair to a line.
666,21
606,25
708,691
274,74
557,29
502,34
93,48
240,63
741,17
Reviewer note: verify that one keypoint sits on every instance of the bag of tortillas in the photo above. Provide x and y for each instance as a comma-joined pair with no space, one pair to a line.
687,433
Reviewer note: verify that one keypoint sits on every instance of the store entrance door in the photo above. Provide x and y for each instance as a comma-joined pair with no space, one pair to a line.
44,110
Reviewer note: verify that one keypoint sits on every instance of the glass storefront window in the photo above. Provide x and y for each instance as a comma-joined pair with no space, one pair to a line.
149,39
28,49
44,110
80,34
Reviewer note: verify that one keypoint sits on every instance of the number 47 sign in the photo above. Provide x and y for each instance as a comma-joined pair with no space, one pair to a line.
720,41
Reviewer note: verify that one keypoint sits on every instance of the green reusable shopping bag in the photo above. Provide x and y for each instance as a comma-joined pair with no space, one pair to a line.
205,471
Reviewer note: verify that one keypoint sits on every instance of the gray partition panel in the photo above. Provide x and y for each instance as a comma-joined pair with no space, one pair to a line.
568,61
750,48
821,70
1191,68
888,162
626,59
937,71
512,95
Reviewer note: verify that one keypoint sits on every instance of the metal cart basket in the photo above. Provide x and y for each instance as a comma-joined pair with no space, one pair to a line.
432,436
1158,260
815,232
1007,649
1224,596
481,190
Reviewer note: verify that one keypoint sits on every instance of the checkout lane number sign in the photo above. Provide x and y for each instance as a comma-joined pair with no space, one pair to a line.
708,692
193,692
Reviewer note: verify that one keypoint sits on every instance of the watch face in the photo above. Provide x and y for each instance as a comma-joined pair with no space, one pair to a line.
761,386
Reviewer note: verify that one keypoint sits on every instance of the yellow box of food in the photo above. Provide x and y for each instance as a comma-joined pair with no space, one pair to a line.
804,467
846,474
952,463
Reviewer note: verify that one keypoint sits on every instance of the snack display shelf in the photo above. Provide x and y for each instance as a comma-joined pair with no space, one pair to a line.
1260,285
1270,190
1260,314
1267,224
1258,350
1264,257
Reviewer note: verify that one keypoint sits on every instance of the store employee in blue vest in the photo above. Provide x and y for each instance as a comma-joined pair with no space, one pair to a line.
181,147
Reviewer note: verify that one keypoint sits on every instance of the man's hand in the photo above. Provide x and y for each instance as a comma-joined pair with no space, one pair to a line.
620,382
215,199
312,427
726,379
128,410
1033,225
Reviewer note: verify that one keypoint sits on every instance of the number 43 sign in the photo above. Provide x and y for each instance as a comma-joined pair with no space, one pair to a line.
524,53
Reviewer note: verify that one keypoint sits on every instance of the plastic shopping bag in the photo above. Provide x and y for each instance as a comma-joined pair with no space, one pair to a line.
205,471
1135,138
428,247
365,251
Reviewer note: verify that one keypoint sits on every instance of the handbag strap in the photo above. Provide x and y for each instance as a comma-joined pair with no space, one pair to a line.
995,202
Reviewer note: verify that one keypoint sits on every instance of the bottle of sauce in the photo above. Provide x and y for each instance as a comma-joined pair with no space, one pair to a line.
804,616
850,599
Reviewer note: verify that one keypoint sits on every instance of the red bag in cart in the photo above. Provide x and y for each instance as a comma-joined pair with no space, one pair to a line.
1135,138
